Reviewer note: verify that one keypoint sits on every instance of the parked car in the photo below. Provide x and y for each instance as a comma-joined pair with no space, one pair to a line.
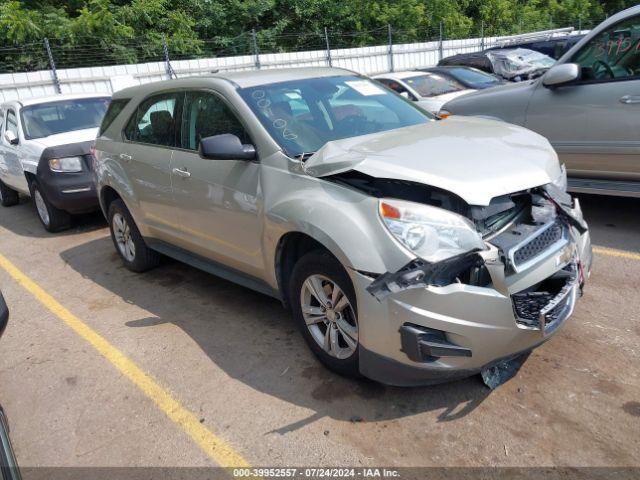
430,91
45,153
470,78
511,64
588,106
410,250
554,47
4,314
8,466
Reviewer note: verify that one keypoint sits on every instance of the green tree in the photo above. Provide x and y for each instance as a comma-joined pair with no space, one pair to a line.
96,31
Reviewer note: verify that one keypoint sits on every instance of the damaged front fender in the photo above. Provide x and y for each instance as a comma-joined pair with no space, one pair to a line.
565,206
419,273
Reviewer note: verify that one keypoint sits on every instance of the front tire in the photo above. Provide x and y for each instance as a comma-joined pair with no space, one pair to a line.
53,219
128,241
8,196
324,306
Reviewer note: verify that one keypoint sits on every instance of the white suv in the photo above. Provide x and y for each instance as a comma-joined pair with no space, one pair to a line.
45,152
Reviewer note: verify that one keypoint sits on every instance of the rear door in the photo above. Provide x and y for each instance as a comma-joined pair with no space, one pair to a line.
150,137
594,123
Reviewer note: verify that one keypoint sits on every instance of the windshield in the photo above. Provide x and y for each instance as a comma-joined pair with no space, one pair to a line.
473,76
432,85
303,115
51,118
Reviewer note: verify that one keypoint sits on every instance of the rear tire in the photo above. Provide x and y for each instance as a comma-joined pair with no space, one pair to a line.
327,318
53,219
8,196
128,241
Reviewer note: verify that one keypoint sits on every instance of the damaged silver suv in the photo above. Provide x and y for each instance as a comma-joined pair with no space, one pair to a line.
410,250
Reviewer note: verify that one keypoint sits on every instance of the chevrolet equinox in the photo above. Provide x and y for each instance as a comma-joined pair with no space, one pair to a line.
410,250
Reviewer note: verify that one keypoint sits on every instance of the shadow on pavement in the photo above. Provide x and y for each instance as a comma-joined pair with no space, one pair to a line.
254,340
22,219
614,221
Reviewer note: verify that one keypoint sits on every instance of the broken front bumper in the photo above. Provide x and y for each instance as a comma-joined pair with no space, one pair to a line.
430,334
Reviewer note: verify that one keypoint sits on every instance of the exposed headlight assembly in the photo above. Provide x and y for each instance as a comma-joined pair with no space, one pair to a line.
432,233
66,164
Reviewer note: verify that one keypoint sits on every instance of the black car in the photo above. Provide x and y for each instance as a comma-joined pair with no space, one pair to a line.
467,76
553,47
8,466
4,314
512,64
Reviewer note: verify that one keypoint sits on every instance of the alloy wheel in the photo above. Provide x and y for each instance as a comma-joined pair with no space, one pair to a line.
41,207
122,234
329,316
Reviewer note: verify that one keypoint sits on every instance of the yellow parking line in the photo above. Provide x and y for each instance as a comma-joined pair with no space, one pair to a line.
612,252
216,448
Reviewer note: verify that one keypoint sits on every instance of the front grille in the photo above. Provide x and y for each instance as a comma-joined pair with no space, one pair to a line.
551,300
529,305
538,244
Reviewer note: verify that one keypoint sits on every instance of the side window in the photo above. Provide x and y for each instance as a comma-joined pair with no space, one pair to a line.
12,122
154,121
205,115
613,54
115,107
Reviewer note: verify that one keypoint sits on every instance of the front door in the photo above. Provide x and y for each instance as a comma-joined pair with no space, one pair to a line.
10,165
594,123
218,199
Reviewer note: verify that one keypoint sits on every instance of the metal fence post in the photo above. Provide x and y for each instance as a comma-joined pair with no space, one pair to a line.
482,35
440,45
580,23
391,66
52,66
256,52
326,41
167,63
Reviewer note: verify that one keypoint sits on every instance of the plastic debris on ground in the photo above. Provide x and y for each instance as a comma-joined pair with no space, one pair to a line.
502,372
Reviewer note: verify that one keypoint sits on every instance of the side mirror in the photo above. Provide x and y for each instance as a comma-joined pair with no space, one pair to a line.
10,137
561,74
405,95
226,147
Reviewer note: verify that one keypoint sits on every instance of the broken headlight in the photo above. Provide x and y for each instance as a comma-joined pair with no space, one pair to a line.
432,233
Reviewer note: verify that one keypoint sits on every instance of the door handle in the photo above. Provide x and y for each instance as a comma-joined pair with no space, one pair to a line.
181,173
125,157
630,99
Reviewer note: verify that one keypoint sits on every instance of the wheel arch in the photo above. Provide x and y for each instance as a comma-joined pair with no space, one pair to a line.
291,247
107,195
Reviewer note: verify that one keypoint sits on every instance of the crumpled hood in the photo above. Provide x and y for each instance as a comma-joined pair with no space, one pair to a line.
65,138
474,158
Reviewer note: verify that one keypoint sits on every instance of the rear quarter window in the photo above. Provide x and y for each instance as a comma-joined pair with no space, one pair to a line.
115,107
